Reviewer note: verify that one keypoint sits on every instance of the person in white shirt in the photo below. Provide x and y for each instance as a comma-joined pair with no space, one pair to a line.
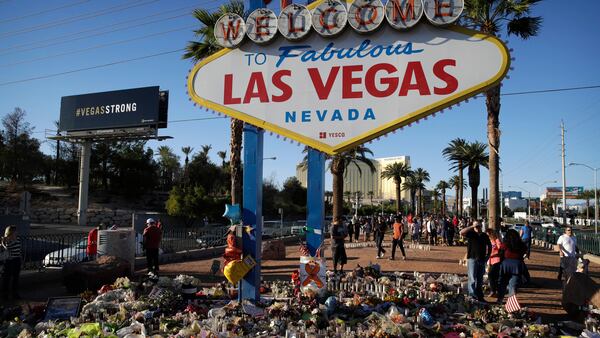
567,248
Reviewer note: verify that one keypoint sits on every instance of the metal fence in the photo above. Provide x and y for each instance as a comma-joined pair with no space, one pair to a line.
587,242
54,250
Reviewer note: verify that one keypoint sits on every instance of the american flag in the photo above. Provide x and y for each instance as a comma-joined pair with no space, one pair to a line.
512,304
304,250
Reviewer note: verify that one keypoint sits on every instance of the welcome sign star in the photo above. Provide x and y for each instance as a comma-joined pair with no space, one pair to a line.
335,93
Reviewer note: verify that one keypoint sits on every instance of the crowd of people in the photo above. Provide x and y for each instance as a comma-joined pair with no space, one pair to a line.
501,254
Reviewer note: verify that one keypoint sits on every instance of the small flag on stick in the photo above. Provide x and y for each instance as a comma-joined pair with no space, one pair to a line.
512,304
304,250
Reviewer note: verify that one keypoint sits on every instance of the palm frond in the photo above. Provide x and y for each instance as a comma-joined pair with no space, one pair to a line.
525,27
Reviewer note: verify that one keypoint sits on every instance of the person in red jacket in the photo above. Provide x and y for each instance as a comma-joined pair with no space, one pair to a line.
152,238
92,242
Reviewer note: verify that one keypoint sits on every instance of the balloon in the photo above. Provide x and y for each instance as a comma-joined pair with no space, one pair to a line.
233,213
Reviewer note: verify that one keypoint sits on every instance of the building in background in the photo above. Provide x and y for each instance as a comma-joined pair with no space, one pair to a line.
364,180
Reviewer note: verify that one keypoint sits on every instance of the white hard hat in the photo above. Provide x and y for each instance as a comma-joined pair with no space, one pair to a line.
150,220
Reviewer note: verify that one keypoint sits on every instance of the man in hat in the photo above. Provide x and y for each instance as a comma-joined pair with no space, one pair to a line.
152,238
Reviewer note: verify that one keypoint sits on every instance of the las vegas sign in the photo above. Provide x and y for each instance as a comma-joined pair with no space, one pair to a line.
353,77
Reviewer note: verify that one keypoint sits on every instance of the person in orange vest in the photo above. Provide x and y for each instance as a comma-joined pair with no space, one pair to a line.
92,242
400,230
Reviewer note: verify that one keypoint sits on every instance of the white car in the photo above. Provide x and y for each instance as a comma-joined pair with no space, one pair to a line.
78,253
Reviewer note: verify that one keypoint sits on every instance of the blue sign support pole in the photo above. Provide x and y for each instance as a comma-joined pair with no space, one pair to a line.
249,287
315,199
252,209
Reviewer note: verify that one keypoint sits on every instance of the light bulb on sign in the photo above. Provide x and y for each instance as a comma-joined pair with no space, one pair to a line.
294,22
366,15
261,25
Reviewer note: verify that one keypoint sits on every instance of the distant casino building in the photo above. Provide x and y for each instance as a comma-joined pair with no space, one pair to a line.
368,181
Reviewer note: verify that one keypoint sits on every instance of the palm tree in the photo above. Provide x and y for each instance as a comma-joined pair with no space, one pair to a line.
435,193
338,165
475,156
454,182
328,196
169,164
371,194
587,195
396,171
442,186
454,153
223,155
412,185
348,195
198,50
187,151
490,18
422,177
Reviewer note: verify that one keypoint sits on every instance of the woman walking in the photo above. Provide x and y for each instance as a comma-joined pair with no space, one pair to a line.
494,262
512,268
12,266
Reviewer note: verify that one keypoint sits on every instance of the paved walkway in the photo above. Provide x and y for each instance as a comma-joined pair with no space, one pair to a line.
542,296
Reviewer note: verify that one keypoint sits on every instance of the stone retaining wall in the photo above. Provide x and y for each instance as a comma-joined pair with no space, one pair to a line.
69,216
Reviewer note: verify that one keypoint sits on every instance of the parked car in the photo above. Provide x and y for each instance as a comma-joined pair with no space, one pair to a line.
78,253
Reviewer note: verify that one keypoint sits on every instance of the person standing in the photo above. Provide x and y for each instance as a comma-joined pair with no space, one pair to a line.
400,230
368,228
350,228
152,237
479,249
12,265
450,233
525,234
357,229
567,248
416,230
512,268
494,262
380,229
337,234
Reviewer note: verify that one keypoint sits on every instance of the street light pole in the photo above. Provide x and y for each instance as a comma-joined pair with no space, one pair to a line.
540,186
595,170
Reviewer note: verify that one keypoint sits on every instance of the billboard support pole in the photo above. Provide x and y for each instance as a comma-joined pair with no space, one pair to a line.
84,178
252,209
315,203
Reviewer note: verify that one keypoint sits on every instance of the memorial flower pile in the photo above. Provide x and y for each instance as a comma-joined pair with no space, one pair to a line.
361,303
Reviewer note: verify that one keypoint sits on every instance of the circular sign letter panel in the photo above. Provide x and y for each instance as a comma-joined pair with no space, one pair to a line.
229,30
366,15
294,22
329,18
261,26
443,12
403,14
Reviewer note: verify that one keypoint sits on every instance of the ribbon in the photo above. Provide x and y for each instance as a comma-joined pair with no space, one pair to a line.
312,268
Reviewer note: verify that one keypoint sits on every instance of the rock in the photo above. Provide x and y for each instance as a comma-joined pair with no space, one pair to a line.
78,277
579,290
274,249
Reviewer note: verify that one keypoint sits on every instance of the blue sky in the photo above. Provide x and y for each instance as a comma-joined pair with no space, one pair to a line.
74,34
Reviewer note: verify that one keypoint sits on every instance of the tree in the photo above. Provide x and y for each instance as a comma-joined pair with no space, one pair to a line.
371,194
222,155
348,195
169,166
198,50
186,151
454,182
442,186
422,176
490,18
21,157
587,195
396,171
412,185
294,192
435,193
475,156
454,153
